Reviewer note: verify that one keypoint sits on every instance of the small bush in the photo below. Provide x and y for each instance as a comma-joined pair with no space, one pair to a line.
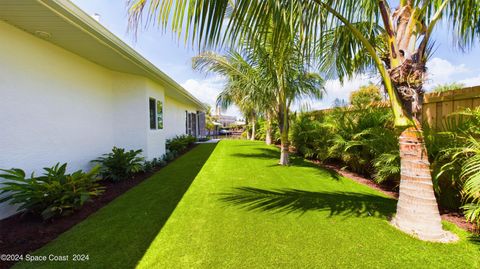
180,143
169,156
120,164
55,193
149,166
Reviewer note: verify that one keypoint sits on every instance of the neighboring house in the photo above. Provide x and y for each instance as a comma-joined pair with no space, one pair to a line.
70,90
225,120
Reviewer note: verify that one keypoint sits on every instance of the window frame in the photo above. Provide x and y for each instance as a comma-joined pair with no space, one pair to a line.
155,118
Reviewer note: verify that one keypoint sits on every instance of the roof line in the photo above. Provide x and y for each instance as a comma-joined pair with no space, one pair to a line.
116,43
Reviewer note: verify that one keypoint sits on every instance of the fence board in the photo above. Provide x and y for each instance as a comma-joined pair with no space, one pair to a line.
439,105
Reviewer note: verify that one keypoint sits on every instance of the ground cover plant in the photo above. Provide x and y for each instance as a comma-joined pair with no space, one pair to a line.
120,164
180,143
244,210
55,193
25,232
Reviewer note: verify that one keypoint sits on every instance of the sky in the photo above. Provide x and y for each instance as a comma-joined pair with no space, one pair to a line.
449,64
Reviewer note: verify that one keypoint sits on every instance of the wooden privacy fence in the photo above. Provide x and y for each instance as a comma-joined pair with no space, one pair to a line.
438,105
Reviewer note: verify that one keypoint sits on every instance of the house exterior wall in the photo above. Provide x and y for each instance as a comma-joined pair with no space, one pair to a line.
175,117
130,108
55,106
155,138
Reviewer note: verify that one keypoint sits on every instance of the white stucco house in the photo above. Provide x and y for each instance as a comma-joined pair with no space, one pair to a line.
70,90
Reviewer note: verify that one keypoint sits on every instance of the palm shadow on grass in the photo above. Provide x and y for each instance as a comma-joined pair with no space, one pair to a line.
347,204
273,154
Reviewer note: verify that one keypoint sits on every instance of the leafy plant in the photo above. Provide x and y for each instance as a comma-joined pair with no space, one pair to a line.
448,87
149,166
471,175
365,96
120,164
180,143
169,156
55,193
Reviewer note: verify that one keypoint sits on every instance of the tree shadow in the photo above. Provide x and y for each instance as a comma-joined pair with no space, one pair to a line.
119,234
297,161
475,239
348,204
301,162
262,153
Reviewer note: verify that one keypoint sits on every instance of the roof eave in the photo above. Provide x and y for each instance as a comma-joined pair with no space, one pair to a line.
68,9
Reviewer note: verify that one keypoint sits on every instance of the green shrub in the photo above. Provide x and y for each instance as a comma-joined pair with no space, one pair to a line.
169,156
55,193
310,137
365,141
149,166
261,131
365,96
120,164
180,143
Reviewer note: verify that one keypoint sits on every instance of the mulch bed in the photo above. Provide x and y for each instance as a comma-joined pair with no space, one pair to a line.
454,217
25,233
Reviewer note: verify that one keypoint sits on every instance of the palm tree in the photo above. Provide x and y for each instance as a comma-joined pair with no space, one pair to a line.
399,50
368,34
242,87
253,83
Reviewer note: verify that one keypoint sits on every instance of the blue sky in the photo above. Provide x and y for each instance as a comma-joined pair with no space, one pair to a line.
448,64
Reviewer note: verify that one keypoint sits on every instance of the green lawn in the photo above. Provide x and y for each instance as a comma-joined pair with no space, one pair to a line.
244,211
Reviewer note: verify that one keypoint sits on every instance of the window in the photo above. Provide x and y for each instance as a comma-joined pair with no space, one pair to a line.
159,115
156,114
153,125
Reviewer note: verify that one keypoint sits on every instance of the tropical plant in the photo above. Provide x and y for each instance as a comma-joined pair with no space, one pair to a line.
180,143
365,96
120,164
55,193
209,119
459,160
259,82
399,50
369,35
149,166
169,156
449,87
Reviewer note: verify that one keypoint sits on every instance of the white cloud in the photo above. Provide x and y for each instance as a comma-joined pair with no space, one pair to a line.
207,90
441,71
470,82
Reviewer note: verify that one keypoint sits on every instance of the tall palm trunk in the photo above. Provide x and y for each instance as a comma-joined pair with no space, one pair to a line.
268,129
283,126
417,210
247,129
253,121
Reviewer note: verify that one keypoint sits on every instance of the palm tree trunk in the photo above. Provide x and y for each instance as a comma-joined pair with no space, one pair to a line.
253,129
284,150
283,125
268,130
247,129
417,210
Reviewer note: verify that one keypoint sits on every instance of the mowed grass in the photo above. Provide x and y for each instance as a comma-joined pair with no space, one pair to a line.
244,211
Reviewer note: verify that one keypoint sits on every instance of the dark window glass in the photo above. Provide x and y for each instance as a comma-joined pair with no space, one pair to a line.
153,114
159,115
186,122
